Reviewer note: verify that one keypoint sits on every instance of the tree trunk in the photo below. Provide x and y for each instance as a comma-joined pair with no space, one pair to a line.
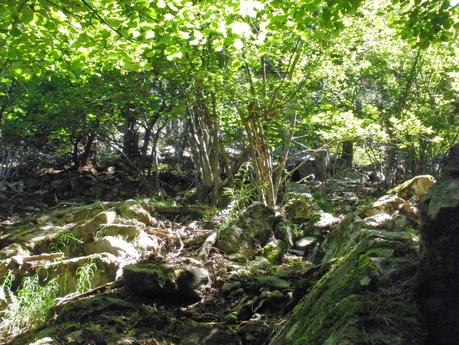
87,150
261,157
348,153
205,145
390,164
75,154
131,137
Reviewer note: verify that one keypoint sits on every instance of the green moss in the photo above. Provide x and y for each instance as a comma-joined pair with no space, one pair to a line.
274,251
357,301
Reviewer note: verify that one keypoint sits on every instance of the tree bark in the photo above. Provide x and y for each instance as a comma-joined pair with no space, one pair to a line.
348,153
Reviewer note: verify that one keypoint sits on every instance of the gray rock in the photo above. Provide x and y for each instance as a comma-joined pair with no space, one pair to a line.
386,204
89,229
112,245
326,221
378,220
305,243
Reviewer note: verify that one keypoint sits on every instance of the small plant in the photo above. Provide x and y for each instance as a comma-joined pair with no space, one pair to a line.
5,289
66,239
323,202
84,275
99,204
246,193
29,306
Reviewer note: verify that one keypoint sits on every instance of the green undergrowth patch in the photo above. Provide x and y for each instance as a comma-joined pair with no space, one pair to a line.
29,306
84,275
323,202
66,242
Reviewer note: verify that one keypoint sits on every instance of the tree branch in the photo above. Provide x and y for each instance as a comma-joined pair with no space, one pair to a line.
96,13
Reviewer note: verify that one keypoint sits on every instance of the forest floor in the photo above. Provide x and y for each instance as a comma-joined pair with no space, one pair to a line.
233,299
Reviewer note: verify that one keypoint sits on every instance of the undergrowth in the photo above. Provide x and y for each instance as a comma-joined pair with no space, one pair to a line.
64,240
243,195
29,306
84,276
323,202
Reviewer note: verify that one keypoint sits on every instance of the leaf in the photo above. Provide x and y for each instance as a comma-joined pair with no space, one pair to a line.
365,281
27,15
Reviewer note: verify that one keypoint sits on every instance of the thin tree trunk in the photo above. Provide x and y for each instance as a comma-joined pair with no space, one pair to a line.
87,150
348,153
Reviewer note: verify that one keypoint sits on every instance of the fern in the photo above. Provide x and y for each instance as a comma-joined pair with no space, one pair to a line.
244,195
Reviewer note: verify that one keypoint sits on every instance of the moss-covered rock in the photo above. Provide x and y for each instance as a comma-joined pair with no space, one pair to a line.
385,204
365,296
249,232
274,251
88,230
134,210
105,270
416,187
300,207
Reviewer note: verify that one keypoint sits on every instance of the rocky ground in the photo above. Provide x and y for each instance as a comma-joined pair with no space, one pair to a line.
337,269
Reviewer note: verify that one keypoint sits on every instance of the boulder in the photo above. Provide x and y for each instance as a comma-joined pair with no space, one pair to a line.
180,281
133,210
249,232
378,220
438,275
305,243
300,206
113,245
124,230
386,204
351,303
13,250
89,229
106,270
416,187
274,251
325,221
